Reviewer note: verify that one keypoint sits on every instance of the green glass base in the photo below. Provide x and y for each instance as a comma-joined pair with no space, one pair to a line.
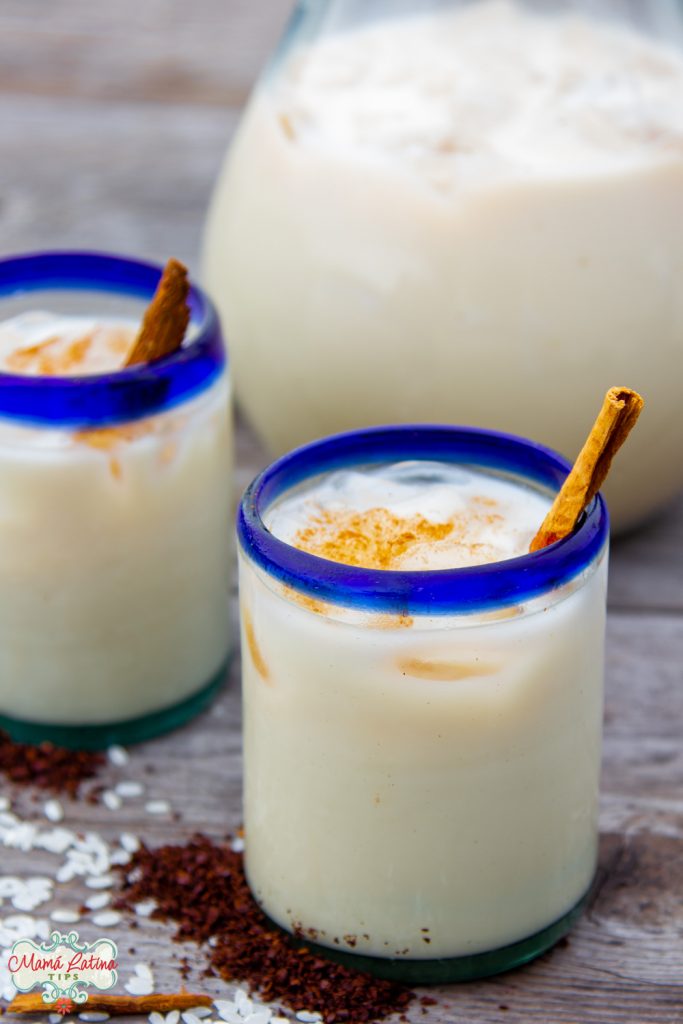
459,968
132,730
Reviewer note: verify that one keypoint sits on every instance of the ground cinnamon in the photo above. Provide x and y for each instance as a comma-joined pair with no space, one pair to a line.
444,671
620,410
115,1006
50,363
373,539
253,647
166,318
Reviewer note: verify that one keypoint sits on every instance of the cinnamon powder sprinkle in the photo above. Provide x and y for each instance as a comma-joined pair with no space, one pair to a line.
260,663
388,621
375,539
201,887
312,604
444,671
39,359
57,357
107,438
287,126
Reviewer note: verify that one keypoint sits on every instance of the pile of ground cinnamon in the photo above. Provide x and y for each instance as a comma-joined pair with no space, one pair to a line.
201,886
47,766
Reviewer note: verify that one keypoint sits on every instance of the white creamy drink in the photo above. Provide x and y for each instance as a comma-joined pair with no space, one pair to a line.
114,546
442,217
419,786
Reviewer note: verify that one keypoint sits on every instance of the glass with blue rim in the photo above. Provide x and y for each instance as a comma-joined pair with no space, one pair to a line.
115,489
422,748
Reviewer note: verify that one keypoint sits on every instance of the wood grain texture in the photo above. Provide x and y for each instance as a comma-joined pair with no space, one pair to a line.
206,52
115,119
622,961
126,177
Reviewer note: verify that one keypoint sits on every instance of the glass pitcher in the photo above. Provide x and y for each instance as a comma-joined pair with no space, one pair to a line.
466,211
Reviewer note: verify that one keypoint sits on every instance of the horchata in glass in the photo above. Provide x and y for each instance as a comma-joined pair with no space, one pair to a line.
422,699
116,494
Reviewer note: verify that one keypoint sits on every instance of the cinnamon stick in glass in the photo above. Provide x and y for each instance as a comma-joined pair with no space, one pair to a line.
620,410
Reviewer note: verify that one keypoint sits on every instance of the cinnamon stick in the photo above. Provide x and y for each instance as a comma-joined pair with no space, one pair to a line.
620,410
166,318
115,1006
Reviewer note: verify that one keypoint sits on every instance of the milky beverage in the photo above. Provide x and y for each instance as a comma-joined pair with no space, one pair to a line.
447,217
435,776
113,541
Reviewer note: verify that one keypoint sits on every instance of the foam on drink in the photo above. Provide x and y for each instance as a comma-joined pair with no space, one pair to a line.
410,516
44,344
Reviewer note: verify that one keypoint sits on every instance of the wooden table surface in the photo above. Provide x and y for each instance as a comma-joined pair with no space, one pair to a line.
114,121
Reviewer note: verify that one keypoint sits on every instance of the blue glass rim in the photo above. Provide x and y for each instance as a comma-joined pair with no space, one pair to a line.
99,400
433,592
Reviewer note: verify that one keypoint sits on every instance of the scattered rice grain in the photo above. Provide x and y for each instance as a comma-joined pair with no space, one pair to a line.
53,811
129,788
55,840
118,755
157,807
107,919
98,900
112,800
129,842
145,908
120,857
65,916
100,881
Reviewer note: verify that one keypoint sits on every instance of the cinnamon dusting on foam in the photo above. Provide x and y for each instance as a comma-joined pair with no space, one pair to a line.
68,353
380,539
49,345
374,539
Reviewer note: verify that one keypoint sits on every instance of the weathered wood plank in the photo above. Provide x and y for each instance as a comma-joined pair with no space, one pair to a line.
164,50
622,962
130,178
646,567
